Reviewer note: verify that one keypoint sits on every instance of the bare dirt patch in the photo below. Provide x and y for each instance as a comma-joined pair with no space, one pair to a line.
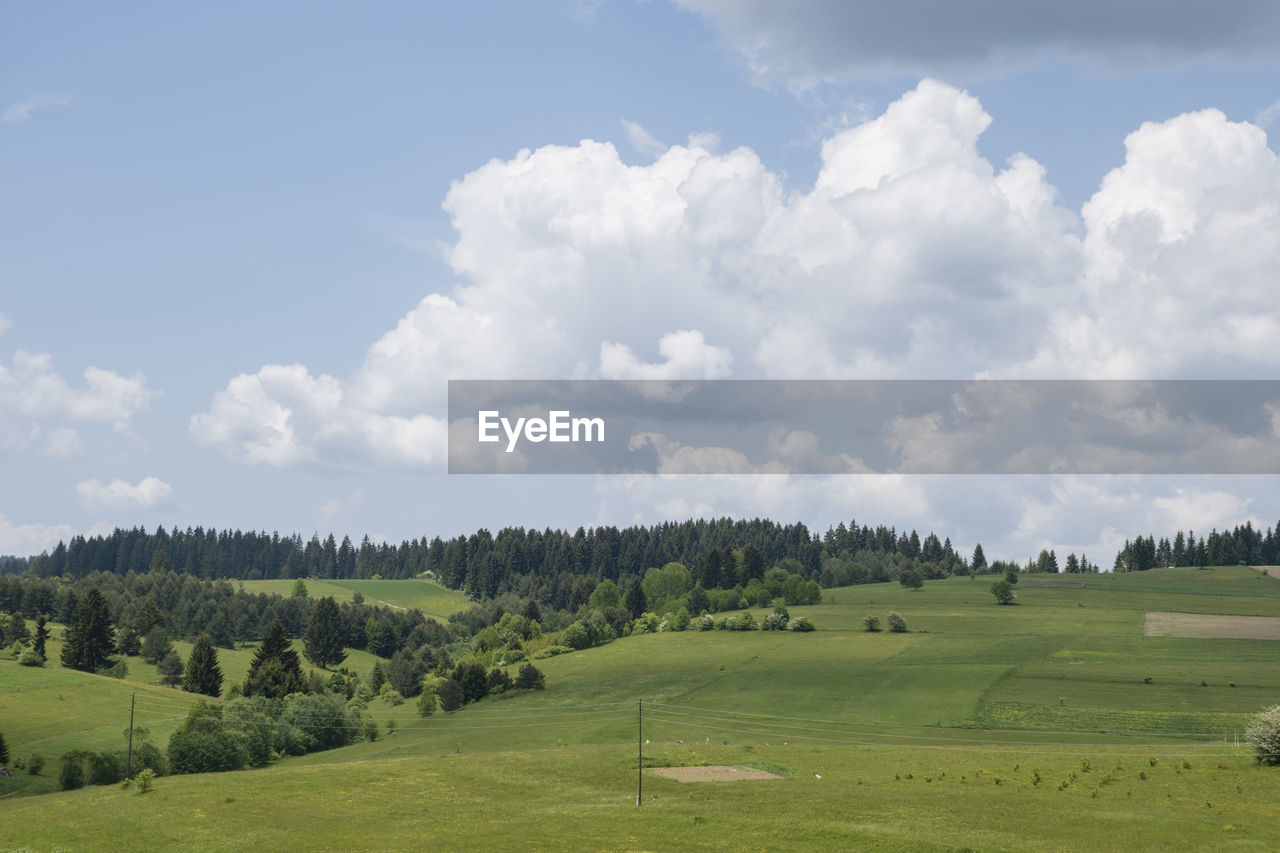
1209,625
713,773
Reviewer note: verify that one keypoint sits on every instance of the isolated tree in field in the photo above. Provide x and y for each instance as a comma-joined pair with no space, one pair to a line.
1003,591
1263,735
299,589
326,634
530,678
41,636
911,579
71,776
170,669
275,671
4,751
450,694
872,623
897,624
203,675
90,637
979,562
156,645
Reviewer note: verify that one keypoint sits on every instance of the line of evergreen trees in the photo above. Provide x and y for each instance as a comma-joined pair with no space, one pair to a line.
1242,545
119,613
483,565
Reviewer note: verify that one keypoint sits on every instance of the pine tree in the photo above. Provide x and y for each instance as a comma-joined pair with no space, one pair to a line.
979,561
275,671
203,675
326,634
41,635
90,639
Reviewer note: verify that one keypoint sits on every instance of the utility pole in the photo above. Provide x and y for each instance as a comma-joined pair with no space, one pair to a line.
128,773
639,749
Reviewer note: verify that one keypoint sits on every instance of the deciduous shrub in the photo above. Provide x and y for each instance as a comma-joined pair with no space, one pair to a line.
1263,735
897,624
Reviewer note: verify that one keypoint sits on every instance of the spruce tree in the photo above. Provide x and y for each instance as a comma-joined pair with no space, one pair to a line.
203,675
326,634
90,638
41,635
275,671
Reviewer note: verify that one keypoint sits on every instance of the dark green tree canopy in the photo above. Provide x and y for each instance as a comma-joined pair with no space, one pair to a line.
275,671
326,634
203,674
90,637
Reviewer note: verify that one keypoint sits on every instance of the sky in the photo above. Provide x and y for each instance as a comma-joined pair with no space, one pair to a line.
244,247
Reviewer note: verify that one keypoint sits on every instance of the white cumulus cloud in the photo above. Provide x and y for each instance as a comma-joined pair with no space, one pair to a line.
35,399
686,355
19,111
28,540
282,415
910,256
122,495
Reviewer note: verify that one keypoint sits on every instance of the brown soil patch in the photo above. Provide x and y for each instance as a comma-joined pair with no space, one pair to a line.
715,773
1162,624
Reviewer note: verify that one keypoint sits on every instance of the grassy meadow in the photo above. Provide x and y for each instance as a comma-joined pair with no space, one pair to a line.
417,594
1053,724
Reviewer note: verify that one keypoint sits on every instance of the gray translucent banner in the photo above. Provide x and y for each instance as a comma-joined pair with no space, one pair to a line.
864,426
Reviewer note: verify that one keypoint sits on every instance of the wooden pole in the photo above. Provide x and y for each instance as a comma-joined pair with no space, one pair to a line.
639,749
128,773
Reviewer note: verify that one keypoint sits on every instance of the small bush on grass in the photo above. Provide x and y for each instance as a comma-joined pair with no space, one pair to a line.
897,624
1263,735
530,678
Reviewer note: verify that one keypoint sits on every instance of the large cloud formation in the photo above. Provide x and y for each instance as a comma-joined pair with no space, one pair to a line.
801,44
40,409
911,256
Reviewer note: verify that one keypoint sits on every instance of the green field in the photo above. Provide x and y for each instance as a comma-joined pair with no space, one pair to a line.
429,597
1055,724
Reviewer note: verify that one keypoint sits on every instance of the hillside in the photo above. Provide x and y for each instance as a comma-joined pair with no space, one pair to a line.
1058,706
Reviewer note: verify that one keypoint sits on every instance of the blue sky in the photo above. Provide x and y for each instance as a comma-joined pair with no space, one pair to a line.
242,249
